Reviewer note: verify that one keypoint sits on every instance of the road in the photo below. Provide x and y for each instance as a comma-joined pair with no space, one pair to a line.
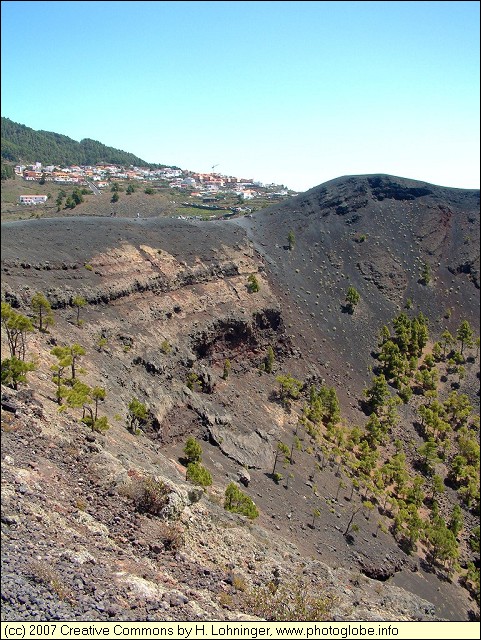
94,188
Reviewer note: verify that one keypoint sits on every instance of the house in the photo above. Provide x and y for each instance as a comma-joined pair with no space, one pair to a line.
213,188
32,175
36,199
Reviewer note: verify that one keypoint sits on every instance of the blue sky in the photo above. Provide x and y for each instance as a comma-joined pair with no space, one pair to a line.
295,93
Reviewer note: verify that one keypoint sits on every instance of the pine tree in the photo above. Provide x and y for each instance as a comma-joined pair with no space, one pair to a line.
465,335
270,358
227,368
281,449
447,341
193,450
352,299
429,455
374,431
291,240
443,542
437,486
456,521
425,277
289,389
315,514
138,415
378,393
64,360
415,494
384,335
76,352
78,302
43,311
15,371
98,395
197,474
394,363
16,327
458,408
79,395
237,501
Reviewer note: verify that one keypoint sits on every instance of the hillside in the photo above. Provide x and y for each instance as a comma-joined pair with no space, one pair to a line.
352,509
23,144
374,233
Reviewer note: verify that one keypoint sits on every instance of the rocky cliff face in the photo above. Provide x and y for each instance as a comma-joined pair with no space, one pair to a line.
75,548
167,304
160,318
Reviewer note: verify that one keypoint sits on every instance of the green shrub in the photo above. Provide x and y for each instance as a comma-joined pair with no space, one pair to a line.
288,602
171,536
198,474
44,573
425,277
239,502
253,284
101,343
148,495
165,347
193,382
100,425
238,582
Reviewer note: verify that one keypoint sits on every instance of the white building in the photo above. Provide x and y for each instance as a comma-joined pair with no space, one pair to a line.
32,199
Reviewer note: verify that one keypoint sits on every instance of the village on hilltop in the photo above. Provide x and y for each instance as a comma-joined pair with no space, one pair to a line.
205,186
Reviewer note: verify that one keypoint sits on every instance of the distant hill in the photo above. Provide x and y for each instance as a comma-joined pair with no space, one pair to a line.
23,144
